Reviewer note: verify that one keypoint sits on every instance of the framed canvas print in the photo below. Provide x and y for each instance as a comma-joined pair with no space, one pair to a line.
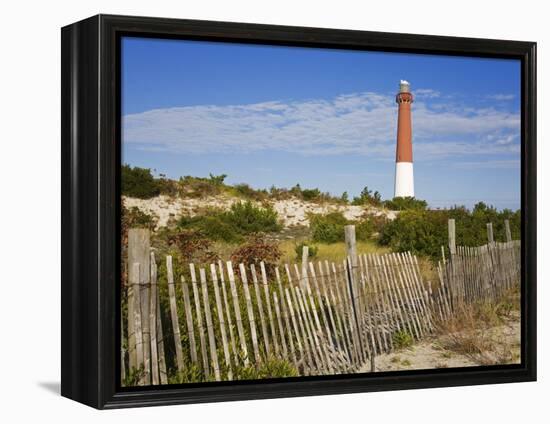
254,211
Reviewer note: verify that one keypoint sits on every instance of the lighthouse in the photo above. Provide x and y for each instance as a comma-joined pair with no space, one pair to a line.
404,178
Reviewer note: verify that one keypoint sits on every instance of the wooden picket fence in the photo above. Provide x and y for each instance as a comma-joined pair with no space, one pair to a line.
211,322
477,274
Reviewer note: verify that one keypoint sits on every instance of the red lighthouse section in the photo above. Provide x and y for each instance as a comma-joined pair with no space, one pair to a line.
404,128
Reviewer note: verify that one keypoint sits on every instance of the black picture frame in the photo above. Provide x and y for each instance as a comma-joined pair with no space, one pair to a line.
91,209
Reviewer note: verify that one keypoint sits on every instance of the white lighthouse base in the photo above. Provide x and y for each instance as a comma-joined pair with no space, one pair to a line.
404,179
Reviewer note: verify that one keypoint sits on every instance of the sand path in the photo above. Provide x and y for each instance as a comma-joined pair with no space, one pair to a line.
433,353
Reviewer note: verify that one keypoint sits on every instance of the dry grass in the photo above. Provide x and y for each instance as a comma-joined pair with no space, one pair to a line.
482,332
428,271
332,252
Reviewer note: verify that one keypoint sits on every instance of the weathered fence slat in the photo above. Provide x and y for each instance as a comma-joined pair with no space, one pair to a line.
285,313
269,310
228,314
250,311
198,314
160,347
139,247
155,378
237,308
221,321
174,313
189,321
210,326
140,361
260,307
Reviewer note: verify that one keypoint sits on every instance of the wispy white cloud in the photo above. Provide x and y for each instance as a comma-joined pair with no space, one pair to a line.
501,96
426,93
357,123
490,164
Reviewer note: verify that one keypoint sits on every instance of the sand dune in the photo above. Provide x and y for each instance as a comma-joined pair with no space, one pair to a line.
292,212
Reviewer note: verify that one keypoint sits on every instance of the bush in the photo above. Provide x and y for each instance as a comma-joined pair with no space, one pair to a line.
402,339
248,192
311,194
367,197
257,249
405,203
199,187
425,231
312,251
364,229
138,182
230,226
135,218
167,186
421,232
272,368
328,228
192,246
217,180
211,225
247,218
344,198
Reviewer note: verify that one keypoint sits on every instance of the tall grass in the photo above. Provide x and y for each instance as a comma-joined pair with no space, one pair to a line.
334,252
476,330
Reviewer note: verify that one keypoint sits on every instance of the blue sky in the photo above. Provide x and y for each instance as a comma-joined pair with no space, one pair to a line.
270,115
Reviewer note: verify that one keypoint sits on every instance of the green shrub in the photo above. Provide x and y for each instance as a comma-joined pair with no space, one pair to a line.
311,194
244,190
247,218
217,180
328,228
425,231
167,186
422,232
191,373
138,182
242,219
312,251
133,376
135,218
405,203
272,368
197,187
344,198
367,197
402,339
364,229
212,226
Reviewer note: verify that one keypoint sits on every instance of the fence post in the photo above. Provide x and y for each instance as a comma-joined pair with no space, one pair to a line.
174,313
351,251
452,237
450,271
508,231
490,238
139,246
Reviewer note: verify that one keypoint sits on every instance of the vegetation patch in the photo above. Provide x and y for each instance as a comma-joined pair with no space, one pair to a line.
402,340
231,226
423,232
405,203
312,250
329,228
257,249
